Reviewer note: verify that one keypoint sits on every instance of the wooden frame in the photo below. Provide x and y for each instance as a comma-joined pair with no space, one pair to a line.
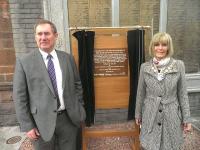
110,92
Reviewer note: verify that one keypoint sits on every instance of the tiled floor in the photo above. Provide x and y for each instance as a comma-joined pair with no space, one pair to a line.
7,133
192,141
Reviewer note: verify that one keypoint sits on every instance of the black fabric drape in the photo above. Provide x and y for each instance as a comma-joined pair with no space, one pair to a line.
135,39
86,69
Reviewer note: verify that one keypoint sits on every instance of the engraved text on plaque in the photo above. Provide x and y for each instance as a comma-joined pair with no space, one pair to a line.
111,62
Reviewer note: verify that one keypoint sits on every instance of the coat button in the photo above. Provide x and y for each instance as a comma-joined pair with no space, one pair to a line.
160,110
159,123
55,111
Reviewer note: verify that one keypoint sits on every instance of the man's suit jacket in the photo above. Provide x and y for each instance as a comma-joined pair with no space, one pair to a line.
34,97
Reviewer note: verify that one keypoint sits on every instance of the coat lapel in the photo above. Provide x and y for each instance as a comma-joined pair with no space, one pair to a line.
43,70
150,69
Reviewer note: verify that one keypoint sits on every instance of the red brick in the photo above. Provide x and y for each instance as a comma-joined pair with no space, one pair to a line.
5,96
8,43
6,35
9,77
5,24
7,57
5,15
7,69
1,45
2,78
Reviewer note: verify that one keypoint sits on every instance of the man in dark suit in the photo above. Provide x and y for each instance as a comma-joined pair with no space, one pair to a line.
47,93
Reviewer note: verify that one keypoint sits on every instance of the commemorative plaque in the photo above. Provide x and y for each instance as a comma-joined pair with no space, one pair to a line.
111,62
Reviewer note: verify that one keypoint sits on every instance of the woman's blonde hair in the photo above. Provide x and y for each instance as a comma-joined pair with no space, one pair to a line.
163,38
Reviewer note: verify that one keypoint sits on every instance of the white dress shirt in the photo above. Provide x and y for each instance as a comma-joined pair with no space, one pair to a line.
58,73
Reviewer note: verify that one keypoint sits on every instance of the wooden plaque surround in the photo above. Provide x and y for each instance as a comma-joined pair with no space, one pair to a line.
110,91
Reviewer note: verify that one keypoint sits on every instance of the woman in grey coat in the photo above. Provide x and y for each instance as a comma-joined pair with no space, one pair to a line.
162,106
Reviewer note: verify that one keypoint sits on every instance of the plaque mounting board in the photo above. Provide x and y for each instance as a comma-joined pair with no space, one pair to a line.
111,69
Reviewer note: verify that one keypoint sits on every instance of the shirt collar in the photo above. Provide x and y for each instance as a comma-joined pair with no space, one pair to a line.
45,54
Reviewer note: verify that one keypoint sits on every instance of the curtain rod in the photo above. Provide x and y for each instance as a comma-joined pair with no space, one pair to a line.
123,27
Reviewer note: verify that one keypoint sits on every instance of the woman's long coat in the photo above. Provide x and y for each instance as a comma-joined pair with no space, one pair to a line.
163,106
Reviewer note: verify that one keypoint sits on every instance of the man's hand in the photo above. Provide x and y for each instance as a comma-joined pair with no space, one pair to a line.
33,134
187,127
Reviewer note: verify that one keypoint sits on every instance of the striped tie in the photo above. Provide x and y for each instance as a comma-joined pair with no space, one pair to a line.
52,75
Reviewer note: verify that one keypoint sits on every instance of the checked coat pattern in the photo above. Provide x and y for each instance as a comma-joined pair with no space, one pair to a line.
163,106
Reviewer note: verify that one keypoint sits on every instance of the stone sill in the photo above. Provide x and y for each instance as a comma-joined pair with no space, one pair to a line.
193,82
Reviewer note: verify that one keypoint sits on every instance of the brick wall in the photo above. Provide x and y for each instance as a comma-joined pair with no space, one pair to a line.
24,14
7,61
184,27
17,18
7,53
194,104
7,110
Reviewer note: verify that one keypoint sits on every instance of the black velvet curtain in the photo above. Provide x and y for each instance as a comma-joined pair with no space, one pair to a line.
136,53
86,69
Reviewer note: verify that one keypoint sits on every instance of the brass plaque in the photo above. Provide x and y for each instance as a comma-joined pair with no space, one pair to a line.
111,62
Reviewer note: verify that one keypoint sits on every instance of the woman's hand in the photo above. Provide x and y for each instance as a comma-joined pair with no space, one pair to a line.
138,121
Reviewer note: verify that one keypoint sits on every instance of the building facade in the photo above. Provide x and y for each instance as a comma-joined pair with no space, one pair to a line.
180,18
